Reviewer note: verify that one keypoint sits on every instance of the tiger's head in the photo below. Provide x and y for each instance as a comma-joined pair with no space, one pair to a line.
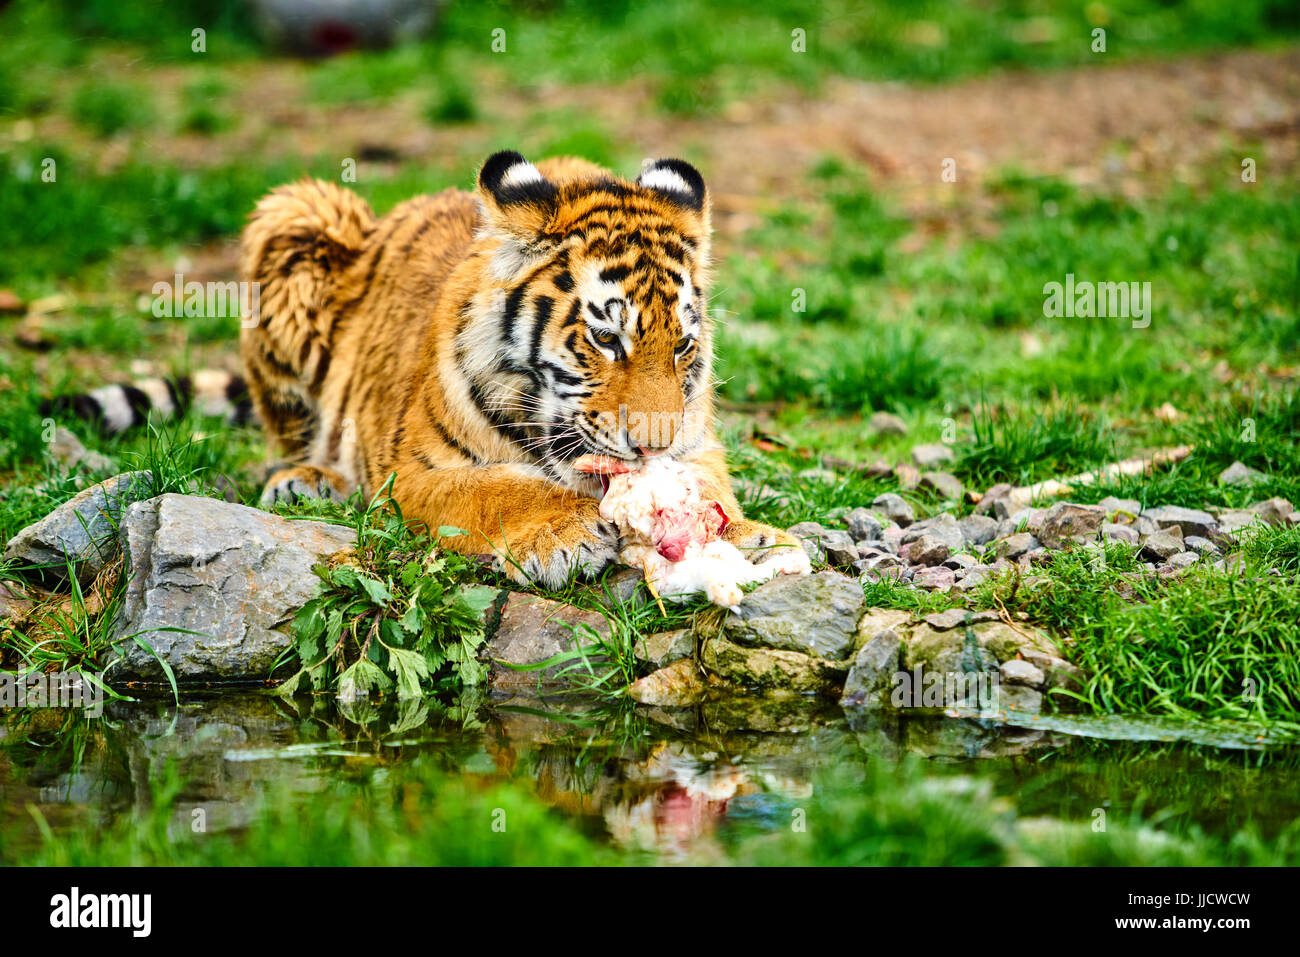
602,339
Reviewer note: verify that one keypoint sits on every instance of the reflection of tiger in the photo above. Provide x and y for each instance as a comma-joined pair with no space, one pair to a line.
477,345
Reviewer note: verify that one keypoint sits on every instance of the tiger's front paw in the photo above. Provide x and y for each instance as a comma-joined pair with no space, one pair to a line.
574,540
757,541
303,482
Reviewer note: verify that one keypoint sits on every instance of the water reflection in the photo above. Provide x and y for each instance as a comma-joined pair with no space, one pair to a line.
672,783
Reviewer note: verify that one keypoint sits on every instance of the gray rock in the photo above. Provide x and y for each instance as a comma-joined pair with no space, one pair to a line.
960,562
533,629
930,456
1031,519
233,575
1238,473
908,475
972,578
876,567
1274,511
1235,519
996,502
863,525
942,527
1067,522
662,649
771,668
1189,521
82,530
1184,560
886,423
816,615
929,550
1202,546
809,535
891,538
624,585
1059,672
1113,532
957,618
841,550
947,485
936,578
978,529
1017,671
67,450
893,507
1013,546
870,681
883,573
1121,510
1160,546
831,545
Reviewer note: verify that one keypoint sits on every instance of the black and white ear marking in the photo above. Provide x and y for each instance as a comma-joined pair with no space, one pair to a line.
677,180
511,179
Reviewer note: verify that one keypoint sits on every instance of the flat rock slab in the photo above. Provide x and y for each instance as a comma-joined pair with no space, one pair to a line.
771,669
234,575
675,686
814,615
1190,521
83,530
533,629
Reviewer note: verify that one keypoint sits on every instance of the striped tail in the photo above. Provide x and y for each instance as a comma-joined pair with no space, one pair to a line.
117,408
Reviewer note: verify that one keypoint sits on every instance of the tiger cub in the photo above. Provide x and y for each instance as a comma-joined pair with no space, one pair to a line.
477,344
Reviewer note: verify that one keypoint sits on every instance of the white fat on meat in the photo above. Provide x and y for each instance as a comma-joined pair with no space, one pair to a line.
672,535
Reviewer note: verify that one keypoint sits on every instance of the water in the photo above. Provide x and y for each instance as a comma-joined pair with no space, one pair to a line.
703,784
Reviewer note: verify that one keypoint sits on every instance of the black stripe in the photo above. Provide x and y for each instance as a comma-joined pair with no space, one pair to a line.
450,440
564,282
615,273
236,389
512,311
542,307
562,375
139,402
178,392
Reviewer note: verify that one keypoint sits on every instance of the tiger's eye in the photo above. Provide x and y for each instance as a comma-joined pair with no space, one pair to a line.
604,336
684,345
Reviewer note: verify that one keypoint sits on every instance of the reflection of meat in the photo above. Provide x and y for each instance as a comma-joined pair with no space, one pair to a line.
674,536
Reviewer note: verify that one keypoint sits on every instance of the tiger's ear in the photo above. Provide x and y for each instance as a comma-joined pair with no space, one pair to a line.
518,199
675,180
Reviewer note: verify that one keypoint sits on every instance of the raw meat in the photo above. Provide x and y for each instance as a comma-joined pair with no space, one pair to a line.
673,535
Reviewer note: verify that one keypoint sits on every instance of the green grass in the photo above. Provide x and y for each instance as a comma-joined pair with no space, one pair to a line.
109,108
1207,644
680,47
